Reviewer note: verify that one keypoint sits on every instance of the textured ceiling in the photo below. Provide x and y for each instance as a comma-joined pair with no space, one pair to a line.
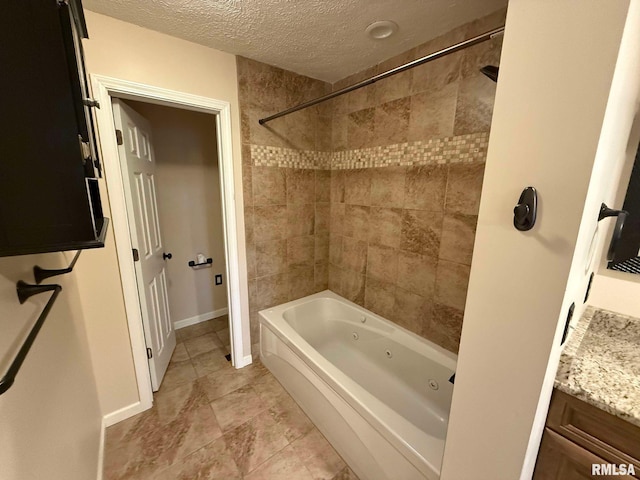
321,39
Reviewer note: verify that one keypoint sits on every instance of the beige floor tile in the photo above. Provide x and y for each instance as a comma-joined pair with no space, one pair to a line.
255,441
345,474
211,462
290,416
171,404
180,354
270,390
228,379
218,323
318,455
192,331
237,407
210,362
284,465
224,337
202,344
177,374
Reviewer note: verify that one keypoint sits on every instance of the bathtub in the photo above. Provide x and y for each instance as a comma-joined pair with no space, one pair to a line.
379,393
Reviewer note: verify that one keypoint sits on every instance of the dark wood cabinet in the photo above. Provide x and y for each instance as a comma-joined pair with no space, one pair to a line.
578,435
49,198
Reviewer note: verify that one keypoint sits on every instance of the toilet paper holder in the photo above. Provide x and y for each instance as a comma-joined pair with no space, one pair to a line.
201,261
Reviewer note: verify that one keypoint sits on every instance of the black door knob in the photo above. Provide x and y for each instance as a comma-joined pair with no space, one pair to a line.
525,212
166,256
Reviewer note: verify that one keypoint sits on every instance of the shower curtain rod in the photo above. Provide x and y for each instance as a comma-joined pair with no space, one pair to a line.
414,63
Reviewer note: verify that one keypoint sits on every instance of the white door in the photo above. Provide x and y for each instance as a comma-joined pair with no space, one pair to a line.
137,161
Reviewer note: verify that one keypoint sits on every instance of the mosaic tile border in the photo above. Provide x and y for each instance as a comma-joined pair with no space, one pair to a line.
456,149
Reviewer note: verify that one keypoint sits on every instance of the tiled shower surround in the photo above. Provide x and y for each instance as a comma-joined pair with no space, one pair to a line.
373,194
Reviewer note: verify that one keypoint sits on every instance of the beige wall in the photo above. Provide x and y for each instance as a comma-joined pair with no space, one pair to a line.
50,416
189,206
121,50
549,132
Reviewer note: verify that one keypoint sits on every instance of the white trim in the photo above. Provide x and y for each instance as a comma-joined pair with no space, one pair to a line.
101,445
245,361
104,88
122,414
203,317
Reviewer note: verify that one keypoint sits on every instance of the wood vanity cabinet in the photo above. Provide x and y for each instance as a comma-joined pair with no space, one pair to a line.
578,435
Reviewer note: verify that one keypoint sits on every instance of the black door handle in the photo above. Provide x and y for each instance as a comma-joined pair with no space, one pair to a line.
617,230
166,256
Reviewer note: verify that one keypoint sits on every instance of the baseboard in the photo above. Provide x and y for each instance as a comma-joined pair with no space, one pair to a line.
200,318
100,472
124,413
246,360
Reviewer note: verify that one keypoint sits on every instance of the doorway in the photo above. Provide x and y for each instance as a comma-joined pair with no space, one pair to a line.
169,164
234,276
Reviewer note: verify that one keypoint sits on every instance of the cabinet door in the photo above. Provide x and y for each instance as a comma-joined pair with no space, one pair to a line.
561,459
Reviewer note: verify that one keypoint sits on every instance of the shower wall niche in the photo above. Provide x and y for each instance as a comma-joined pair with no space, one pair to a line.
375,193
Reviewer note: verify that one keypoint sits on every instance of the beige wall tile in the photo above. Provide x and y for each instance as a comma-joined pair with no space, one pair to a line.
474,107
353,285
321,248
417,273
271,257
385,226
301,251
410,310
300,220
458,235
425,187
380,297
321,276
388,186
336,212
268,186
339,132
382,264
360,128
300,185
464,186
337,186
391,122
301,281
356,222
432,113
323,186
354,255
335,250
322,218
444,327
270,223
452,280
421,232
272,290
357,186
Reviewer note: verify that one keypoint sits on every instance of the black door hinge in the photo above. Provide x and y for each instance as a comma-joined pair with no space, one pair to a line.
136,255
119,137
149,354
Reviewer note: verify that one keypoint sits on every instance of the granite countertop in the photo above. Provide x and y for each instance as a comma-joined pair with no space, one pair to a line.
600,363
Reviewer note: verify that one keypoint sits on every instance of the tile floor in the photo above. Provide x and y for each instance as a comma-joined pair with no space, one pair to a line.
210,421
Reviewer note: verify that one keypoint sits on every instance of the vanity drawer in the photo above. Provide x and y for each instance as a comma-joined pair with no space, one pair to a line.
561,459
606,435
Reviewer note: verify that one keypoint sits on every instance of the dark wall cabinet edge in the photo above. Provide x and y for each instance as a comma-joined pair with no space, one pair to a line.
99,242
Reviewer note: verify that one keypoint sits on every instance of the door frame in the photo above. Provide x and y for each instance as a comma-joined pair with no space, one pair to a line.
104,89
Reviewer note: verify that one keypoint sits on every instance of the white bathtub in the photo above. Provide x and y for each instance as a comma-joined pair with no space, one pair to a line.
379,393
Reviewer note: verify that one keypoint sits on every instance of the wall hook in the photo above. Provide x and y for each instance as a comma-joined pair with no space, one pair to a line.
525,212
606,212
